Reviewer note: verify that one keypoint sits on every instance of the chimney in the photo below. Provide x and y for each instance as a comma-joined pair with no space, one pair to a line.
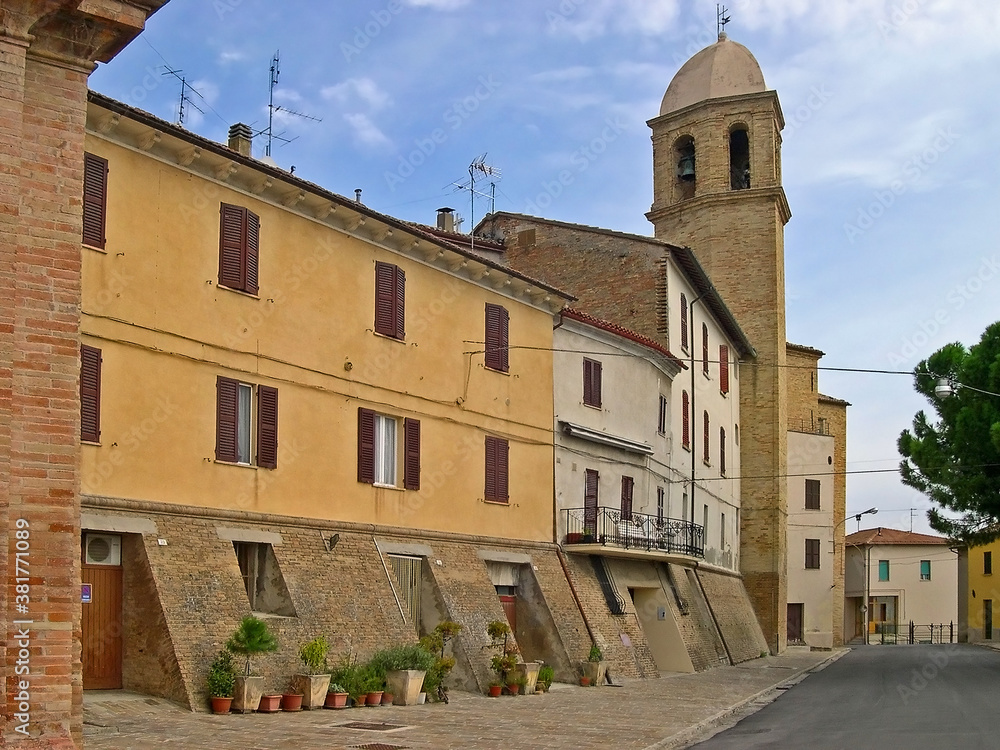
446,219
240,139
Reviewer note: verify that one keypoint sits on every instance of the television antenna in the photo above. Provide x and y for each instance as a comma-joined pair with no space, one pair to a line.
185,88
721,19
273,110
476,168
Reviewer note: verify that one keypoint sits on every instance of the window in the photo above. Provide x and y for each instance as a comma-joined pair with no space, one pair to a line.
706,449
739,159
684,507
660,495
684,148
987,563
661,423
722,532
90,394
925,570
378,454
684,322
704,522
390,297
407,571
497,468
591,486
235,438
239,239
724,369
883,570
497,324
592,383
95,200
812,554
722,451
704,348
812,494
265,586
627,485
685,421
736,434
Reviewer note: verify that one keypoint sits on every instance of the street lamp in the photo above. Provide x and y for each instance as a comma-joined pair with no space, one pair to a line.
864,607
946,387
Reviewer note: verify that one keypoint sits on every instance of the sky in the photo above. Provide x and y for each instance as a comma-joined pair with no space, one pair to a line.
890,155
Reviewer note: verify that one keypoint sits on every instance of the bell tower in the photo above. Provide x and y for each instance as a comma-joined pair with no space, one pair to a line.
717,189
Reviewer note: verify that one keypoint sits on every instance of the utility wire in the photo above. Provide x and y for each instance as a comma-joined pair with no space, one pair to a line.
167,63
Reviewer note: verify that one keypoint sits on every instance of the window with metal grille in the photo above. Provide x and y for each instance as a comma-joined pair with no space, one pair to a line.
812,494
408,574
812,554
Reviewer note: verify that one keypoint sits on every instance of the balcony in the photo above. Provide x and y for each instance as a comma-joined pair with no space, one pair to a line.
609,527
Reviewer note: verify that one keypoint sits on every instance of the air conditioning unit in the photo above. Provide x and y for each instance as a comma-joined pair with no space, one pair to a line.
102,549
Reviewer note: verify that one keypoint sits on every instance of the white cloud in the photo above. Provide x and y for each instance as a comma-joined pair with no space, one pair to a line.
366,131
436,4
595,18
353,89
560,75
231,56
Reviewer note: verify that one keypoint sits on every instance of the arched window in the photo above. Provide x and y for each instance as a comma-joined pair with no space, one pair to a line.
684,149
739,158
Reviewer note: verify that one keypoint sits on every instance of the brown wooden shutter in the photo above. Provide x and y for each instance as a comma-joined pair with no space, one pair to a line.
411,449
267,427
704,348
497,326
707,447
497,469
724,368
627,485
684,322
591,382
812,494
95,200
232,239
590,499
685,419
722,450
251,252
225,430
90,393
385,295
503,470
366,446
491,469
400,303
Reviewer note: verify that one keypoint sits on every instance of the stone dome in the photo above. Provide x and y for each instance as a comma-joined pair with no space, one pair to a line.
725,68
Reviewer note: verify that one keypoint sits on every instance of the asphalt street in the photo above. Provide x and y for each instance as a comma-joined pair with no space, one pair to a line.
914,697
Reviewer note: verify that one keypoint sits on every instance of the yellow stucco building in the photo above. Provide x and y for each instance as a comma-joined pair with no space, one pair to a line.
297,406
978,591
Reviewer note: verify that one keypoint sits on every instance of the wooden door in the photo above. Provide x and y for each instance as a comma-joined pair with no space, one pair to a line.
102,628
988,619
509,604
795,622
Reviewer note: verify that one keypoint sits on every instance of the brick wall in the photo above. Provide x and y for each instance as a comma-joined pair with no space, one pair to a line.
735,616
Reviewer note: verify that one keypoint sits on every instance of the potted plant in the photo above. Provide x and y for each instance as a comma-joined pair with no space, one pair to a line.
595,667
435,643
250,639
336,696
526,673
270,703
504,661
403,668
291,699
221,681
313,683
349,676
545,676
496,688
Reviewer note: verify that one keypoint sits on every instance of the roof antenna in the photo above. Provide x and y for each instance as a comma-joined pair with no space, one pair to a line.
272,110
185,88
479,165
721,19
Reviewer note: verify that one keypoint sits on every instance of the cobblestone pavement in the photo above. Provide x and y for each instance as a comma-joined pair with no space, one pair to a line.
640,714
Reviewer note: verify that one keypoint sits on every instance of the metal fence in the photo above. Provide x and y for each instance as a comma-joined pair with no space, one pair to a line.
892,632
611,527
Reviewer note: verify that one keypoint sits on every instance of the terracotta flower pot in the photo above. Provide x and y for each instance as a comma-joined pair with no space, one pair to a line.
513,688
584,682
375,699
495,691
221,705
336,700
291,702
361,700
270,703
387,699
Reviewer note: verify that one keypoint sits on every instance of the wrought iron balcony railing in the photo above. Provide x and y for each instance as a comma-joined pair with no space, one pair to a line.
640,531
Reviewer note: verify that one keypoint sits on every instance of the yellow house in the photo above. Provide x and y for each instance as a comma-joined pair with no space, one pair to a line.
978,590
297,406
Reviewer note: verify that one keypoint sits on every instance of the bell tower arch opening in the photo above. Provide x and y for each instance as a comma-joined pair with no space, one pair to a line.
739,157
684,153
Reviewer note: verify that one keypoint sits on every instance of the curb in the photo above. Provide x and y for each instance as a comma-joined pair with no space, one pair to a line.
680,739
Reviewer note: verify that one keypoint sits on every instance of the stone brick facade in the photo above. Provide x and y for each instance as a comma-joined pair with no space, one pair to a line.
47,50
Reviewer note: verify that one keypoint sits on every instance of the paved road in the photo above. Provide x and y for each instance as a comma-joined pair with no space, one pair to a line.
913,697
